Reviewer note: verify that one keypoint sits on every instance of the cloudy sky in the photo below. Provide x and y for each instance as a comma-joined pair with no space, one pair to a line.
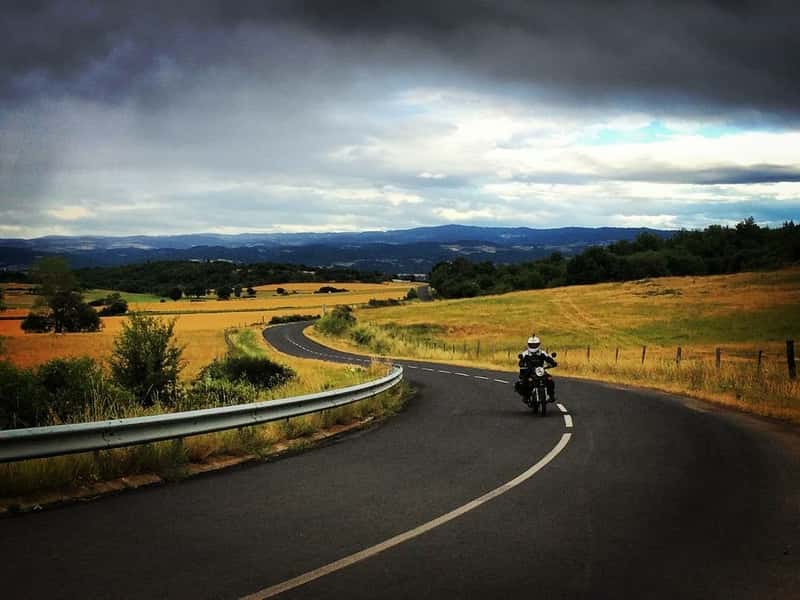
249,116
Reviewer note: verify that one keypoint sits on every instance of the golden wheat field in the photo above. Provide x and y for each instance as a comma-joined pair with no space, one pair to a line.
200,331
269,300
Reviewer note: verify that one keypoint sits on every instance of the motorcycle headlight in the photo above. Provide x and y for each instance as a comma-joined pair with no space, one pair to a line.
540,371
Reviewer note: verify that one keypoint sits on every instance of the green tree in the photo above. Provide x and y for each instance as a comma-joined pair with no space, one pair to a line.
237,291
145,359
251,292
69,313
224,292
53,276
114,305
176,293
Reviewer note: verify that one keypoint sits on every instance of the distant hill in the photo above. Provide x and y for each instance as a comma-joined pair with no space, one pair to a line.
396,251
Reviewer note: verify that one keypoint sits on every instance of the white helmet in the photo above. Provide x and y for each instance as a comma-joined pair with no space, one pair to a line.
534,343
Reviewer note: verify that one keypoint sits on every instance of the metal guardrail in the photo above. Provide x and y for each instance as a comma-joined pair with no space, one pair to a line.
40,442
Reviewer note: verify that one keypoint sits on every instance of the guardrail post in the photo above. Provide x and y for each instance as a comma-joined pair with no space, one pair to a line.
718,357
588,353
616,355
678,356
644,353
478,348
790,359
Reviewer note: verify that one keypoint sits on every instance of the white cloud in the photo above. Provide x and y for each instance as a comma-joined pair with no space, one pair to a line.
69,213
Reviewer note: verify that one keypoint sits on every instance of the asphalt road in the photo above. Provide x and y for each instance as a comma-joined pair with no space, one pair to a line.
644,495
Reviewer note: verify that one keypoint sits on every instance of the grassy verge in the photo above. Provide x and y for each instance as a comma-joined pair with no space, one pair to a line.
740,314
22,482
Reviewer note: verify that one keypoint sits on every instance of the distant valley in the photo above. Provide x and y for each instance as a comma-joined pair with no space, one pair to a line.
395,251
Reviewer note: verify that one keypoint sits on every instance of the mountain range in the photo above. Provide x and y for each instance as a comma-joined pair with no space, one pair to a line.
394,251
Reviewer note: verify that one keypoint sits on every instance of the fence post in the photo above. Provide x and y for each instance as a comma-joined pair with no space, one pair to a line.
644,353
718,357
760,354
588,353
790,359
616,355
478,348
678,356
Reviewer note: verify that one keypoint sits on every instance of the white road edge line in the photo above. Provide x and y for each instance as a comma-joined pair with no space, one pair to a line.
501,381
561,407
462,374
568,421
411,533
445,372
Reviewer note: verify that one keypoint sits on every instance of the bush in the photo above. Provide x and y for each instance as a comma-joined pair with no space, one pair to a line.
412,294
175,294
114,305
292,319
375,303
224,292
73,388
37,323
145,359
21,398
329,289
362,336
337,321
259,372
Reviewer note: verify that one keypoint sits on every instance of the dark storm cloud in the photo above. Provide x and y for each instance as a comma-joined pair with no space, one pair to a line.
678,56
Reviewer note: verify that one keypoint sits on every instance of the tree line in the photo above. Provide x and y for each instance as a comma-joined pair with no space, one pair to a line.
162,278
714,250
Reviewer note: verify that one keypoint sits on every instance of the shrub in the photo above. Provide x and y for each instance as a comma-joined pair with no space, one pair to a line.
259,372
412,294
375,303
224,292
114,305
37,323
146,360
337,321
176,294
73,388
362,336
329,289
292,319
21,398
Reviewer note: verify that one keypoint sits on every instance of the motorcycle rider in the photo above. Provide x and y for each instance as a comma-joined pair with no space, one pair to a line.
533,356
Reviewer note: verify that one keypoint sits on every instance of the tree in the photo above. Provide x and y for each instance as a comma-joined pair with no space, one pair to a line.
224,292
146,359
2,300
114,305
237,291
251,292
37,322
176,293
69,313
53,276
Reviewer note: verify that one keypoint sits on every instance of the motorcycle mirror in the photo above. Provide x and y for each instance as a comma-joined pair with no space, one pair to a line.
554,354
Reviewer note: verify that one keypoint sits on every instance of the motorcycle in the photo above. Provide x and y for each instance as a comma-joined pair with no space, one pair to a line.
532,386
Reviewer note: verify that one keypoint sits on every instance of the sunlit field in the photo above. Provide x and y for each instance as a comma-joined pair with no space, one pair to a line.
200,331
601,332
269,300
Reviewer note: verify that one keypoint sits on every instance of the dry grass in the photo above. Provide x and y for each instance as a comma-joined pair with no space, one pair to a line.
741,313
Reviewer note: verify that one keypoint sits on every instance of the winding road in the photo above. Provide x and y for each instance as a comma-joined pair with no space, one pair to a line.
621,494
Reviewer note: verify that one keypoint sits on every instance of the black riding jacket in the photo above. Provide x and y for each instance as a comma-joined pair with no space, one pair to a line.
531,360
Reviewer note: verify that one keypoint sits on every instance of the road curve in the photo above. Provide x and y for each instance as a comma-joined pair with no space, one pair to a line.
650,496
